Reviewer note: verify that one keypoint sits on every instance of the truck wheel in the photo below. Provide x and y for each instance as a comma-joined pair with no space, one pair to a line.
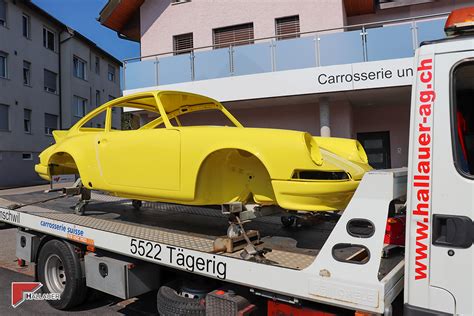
59,270
171,303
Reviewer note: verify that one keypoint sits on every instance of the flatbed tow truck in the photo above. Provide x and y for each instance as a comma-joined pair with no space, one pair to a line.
355,263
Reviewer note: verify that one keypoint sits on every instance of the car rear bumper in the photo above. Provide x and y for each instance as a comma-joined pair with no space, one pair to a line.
314,195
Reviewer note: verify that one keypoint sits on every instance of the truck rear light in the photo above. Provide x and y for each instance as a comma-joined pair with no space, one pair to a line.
280,309
460,21
395,231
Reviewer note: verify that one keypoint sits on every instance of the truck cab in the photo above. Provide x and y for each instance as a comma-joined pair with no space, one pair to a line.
439,270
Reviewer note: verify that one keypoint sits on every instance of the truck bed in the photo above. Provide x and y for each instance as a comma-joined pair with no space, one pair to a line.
299,266
184,226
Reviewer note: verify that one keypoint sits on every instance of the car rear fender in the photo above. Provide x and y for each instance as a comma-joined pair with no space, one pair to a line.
62,163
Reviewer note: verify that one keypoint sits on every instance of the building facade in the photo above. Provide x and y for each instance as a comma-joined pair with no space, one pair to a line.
340,68
50,76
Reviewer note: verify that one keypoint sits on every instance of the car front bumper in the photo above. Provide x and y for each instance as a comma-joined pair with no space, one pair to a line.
314,195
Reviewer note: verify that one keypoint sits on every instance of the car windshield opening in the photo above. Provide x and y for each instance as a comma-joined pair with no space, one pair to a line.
206,117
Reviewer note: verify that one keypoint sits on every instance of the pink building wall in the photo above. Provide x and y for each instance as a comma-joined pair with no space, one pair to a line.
346,121
392,118
430,8
160,20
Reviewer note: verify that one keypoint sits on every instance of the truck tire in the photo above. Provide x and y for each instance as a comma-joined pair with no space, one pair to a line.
59,270
170,303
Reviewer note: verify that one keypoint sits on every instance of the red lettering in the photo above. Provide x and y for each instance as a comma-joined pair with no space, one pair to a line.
424,167
426,64
424,153
421,210
426,77
423,195
421,250
424,139
425,109
427,96
423,128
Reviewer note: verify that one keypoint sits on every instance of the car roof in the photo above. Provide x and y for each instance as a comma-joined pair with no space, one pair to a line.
171,100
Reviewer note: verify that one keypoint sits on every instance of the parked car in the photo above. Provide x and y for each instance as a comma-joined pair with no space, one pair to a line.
186,148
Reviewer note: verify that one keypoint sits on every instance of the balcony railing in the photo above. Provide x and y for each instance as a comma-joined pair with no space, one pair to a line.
351,44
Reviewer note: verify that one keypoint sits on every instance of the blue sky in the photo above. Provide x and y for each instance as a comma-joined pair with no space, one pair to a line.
81,15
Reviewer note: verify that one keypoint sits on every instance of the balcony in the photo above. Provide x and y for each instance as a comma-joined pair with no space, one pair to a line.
353,44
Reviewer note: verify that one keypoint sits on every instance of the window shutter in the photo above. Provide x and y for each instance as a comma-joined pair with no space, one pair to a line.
287,27
235,35
4,117
3,65
50,121
183,44
50,80
3,10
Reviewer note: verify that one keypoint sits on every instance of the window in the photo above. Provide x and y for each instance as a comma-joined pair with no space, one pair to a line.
134,118
111,97
26,25
95,122
3,12
111,73
26,73
287,27
4,119
97,98
27,156
79,68
48,39
50,81
80,106
233,35
183,44
27,121
50,123
3,65
97,65
463,118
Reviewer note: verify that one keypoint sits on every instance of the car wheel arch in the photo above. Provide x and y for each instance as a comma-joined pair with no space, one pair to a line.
255,170
62,162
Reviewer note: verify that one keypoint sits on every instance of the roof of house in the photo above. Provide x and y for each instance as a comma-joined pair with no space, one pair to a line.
73,32
122,16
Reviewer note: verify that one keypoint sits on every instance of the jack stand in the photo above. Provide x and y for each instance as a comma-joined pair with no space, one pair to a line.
76,189
80,207
236,232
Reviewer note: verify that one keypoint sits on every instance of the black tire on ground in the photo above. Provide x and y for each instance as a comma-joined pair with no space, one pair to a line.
287,221
75,289
170,303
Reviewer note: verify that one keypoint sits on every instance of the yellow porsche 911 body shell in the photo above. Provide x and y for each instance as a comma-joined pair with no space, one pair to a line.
204,165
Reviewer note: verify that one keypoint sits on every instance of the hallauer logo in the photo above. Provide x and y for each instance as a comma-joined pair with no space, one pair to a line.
26,291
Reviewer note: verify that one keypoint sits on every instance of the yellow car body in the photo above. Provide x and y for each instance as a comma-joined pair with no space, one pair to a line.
205,165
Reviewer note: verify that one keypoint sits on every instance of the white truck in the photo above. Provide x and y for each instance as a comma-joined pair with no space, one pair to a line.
357,263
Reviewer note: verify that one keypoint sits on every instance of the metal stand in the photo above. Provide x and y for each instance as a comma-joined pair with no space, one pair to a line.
76,189
240,214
